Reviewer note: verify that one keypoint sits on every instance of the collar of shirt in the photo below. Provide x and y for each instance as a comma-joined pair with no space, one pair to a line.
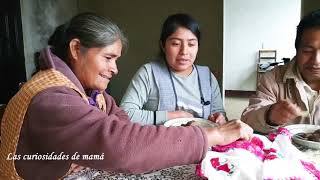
294,73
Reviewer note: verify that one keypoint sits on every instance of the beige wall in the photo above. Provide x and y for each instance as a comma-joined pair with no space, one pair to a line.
309,5
142,20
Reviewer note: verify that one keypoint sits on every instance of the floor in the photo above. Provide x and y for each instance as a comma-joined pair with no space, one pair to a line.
235,105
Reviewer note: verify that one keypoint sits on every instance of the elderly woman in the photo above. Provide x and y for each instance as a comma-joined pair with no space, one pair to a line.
172,86
63,112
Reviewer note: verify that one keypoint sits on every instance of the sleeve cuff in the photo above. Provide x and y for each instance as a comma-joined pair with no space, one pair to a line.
261,117
161,117
205,142
266,117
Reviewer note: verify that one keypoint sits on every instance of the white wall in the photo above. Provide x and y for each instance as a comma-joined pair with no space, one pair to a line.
250,25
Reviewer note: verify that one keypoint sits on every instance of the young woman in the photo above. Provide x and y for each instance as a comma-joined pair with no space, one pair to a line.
172,86
63,113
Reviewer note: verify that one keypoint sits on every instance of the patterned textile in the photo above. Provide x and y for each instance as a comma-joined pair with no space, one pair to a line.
185,172
259,158
16,109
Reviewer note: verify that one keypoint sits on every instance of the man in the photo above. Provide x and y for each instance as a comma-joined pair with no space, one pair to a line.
289,94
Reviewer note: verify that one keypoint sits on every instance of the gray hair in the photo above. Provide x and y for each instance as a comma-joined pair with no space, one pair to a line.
92,30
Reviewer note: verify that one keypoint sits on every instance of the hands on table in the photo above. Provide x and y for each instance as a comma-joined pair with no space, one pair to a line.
75,168
217,118
179,114
224,133
227,132
282,112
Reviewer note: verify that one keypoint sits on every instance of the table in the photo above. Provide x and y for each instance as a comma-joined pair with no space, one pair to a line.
311,154
176,173
185,172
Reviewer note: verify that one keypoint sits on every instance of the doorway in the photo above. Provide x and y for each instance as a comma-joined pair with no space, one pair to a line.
12,63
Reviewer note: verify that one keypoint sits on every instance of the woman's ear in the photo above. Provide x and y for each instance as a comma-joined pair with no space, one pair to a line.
74,46
161,46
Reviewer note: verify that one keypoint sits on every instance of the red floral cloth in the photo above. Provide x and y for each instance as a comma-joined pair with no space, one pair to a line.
259,158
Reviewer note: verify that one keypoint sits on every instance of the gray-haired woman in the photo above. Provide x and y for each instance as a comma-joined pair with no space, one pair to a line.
64,114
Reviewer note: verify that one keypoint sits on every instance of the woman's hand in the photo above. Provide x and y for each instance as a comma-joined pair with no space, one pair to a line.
217,118
75,168
179,114
228,133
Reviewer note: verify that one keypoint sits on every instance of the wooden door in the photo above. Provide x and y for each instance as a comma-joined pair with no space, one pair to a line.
12,63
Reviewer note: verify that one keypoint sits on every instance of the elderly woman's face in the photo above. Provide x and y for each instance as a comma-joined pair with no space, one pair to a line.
181,50
95,67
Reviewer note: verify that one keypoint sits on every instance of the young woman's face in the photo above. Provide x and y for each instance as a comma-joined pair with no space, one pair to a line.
181,50
95,67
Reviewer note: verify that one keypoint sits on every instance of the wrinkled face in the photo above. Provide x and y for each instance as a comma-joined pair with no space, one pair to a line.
96,66
308,55
181,50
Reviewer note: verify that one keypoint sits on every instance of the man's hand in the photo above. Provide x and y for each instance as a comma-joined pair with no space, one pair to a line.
283,112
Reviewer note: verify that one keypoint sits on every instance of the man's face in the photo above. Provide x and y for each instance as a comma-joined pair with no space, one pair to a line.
308,56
